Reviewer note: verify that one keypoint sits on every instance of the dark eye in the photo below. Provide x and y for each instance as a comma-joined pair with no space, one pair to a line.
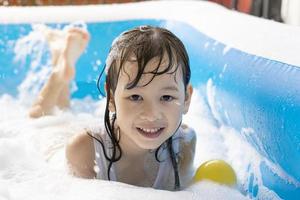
166,98
135,97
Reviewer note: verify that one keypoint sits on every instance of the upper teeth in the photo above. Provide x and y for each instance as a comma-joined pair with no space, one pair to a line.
150,130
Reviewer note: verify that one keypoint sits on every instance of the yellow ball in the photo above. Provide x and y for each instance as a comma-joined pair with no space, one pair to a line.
218,171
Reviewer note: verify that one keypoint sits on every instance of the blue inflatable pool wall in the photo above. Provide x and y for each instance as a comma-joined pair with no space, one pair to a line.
251,91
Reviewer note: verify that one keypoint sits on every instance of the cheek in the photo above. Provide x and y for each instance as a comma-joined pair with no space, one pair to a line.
124,115
175,110
177,105
125,110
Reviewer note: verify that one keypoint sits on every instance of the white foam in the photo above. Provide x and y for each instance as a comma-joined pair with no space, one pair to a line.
33,163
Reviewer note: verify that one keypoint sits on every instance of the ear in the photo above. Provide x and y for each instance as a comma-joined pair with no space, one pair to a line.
111,103
188,97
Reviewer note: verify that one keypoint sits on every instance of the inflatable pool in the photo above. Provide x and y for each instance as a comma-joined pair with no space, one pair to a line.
246,72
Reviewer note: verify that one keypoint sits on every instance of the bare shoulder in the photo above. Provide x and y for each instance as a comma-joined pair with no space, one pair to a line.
80,155
187,153
189,138
188,134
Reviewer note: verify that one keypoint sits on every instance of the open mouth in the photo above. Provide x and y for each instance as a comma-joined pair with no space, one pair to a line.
150,133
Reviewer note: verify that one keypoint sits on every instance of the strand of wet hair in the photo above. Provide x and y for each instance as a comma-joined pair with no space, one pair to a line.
174,164
109,129
113,157
116,146
173,157
99,79
174,160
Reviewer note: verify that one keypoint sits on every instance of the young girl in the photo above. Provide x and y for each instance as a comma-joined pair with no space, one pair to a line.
143,141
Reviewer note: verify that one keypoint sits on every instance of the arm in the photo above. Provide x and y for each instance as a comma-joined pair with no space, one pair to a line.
80,155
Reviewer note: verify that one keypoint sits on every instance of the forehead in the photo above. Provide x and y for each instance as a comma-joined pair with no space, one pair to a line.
151,71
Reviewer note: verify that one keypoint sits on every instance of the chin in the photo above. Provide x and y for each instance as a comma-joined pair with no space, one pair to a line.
149,145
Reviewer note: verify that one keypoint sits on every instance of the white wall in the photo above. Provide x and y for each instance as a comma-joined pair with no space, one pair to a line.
290,12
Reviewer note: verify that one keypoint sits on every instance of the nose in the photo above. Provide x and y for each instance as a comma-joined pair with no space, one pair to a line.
151,112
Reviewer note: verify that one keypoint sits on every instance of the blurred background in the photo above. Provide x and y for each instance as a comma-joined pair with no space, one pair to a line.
286,11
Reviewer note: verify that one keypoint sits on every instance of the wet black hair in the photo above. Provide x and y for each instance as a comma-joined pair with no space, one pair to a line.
143,43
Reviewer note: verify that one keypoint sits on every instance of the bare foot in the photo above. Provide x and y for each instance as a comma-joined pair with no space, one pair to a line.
76,42
56,42
66,46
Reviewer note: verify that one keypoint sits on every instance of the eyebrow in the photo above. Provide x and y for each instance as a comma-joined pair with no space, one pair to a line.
173,88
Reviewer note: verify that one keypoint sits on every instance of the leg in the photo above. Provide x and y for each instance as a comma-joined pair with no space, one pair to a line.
47,98
66,47
63,100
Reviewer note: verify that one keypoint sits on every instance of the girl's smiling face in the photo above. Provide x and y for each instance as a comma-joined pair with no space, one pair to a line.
149,113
